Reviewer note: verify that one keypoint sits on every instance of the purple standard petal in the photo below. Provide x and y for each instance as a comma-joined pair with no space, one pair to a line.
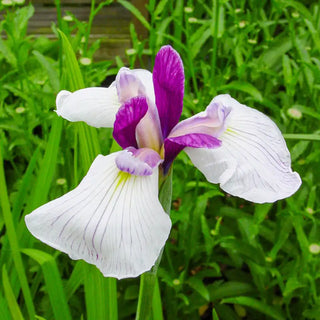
127,118
139,162
173,145
168,81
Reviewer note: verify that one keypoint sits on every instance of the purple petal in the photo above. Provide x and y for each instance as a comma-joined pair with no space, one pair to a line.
139,162
127,118
173,145
212,121
168,81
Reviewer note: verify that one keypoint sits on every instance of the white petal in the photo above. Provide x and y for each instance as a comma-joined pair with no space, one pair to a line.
140,84
253,162
95,106
113,220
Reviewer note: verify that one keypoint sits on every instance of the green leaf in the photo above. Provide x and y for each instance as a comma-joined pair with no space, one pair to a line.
53,282
13,239
298,149
243,248
136,13
292,284
229,289
71,67
197,284
99,294
11,299
160,6
75,280
244,87
257,305
51,71
47,167
7,53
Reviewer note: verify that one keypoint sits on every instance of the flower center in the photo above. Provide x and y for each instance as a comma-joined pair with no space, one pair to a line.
148,130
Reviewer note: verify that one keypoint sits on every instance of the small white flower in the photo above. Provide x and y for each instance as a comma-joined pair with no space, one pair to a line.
294,113
67,18
188,9
20,110
295,14
61,181
252,41
192,20
242,24
314,248
309,210
131,52
85,61
7,2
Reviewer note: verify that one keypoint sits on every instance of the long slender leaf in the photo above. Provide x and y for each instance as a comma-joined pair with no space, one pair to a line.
11,299
257,305
13,240
53,282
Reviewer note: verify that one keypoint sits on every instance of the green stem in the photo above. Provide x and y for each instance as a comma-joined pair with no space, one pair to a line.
147,284
148,280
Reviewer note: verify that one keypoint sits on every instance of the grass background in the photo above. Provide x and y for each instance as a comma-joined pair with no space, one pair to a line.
226,258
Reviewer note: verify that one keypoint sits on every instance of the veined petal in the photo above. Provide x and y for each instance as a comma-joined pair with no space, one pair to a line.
168,81
113,220
95,106
133,83
253,161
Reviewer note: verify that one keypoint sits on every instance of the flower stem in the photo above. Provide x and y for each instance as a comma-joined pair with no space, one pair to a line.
147,284
148,279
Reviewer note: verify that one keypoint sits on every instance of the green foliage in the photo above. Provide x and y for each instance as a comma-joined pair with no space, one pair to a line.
226,258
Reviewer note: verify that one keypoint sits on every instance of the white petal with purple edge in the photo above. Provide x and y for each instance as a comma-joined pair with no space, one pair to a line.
133,83
113,220
253,162
95,106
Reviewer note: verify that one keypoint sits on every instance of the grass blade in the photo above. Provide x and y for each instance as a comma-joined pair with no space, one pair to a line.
11,299
257,305
53,282
13,241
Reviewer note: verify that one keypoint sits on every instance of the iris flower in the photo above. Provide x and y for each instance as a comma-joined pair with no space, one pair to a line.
114,219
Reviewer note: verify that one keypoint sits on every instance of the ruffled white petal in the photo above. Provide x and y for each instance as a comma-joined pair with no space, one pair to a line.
253,162
113,220
95,106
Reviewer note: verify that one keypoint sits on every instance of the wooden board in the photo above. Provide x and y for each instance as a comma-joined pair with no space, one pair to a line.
111,24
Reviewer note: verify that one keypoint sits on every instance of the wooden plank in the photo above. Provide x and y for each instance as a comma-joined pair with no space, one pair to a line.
111,24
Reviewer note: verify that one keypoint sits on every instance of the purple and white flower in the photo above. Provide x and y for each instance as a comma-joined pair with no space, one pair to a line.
114,219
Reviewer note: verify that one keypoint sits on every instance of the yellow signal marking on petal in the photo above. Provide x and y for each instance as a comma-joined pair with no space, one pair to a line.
230,131
122,178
